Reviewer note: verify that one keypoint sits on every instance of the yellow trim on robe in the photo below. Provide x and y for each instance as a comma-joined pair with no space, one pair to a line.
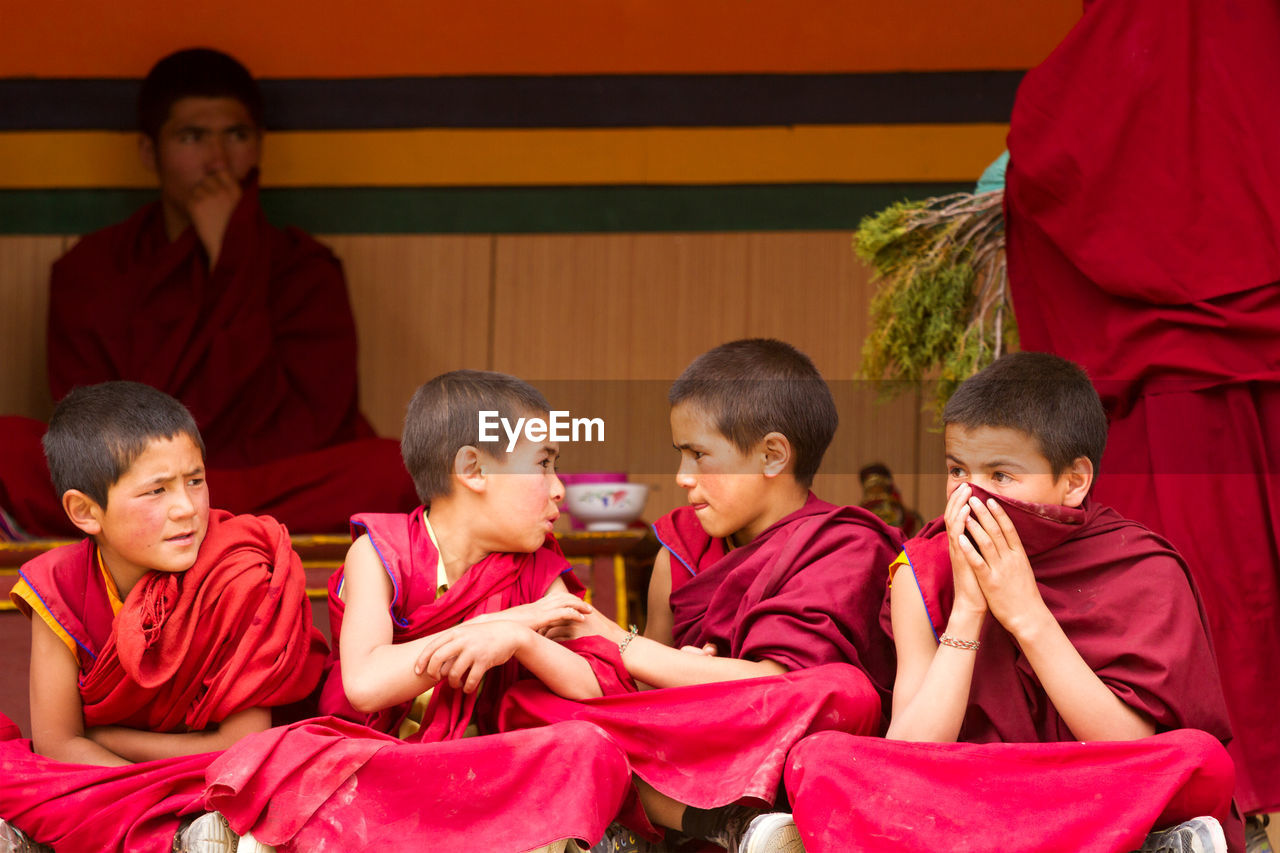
897,564
29,603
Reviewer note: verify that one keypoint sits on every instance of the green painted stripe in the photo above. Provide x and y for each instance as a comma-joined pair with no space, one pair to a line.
506,210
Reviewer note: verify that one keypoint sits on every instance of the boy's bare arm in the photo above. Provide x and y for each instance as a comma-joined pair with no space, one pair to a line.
1087,706
376,673
464,653
657,665
142,745
659,624
931,689
57,713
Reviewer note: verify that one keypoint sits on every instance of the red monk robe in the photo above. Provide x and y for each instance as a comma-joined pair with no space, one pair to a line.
803,593
1124,598
329,781
1143,214
185,651
261,349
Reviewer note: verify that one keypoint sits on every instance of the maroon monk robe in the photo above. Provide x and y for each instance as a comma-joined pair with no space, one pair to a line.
186,650
805,592
1124,598
497,582
1143,214
261,348
872,794
800,594
329,781
329,784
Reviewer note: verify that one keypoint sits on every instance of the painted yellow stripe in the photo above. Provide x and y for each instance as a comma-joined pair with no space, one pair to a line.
806,154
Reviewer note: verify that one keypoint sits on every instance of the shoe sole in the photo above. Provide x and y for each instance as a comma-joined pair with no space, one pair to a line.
772,833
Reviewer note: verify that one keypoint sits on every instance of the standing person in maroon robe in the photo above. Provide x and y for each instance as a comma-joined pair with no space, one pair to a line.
435,614
769,597
169,633
247,324
1043,642
1143,215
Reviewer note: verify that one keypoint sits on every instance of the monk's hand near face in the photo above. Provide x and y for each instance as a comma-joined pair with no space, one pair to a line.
1004,572
554,610
464,653
212,202
965,559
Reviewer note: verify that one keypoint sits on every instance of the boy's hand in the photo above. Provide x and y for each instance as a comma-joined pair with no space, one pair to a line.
1003,570
965,559
554,610
593,623
212,202
464,653
708,650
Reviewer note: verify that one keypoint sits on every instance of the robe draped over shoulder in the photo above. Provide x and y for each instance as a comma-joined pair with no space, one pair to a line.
497,582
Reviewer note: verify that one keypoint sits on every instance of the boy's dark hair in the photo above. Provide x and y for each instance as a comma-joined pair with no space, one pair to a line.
197,72
1046,396
444,416
97,432
756,386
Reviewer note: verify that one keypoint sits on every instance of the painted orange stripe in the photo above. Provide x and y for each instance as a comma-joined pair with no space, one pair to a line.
813,154
333,38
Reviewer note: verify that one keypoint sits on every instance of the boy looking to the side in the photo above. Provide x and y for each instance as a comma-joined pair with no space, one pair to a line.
768,594
434,615
170,631
1026,618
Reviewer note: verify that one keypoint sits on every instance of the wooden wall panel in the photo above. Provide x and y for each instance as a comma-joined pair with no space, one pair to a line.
422,306
24,305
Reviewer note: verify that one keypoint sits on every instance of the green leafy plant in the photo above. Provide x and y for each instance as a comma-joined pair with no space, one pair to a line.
942,307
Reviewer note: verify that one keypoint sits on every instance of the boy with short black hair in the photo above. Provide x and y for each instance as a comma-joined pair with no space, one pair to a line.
434,615
1028,618
169,632
767,594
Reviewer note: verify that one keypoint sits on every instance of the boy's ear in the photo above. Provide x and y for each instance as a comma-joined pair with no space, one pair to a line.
468,469
84,511
777,453
1079,481
147,153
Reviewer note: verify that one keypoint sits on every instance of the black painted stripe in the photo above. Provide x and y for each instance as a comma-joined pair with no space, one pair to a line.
674,100
509,210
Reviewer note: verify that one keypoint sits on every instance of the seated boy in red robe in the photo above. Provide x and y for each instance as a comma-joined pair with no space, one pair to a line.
1056,688
434,615
170,632
198,295
769,595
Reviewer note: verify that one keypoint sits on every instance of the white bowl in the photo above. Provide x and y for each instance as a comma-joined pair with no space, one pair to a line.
606,506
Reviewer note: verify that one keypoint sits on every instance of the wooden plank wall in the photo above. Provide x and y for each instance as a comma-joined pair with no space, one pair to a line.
601,322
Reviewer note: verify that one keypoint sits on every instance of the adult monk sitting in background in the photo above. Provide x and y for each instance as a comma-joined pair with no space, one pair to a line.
247,324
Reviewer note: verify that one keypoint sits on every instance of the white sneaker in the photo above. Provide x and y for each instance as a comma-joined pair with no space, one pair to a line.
208,833
1198,835
771,832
